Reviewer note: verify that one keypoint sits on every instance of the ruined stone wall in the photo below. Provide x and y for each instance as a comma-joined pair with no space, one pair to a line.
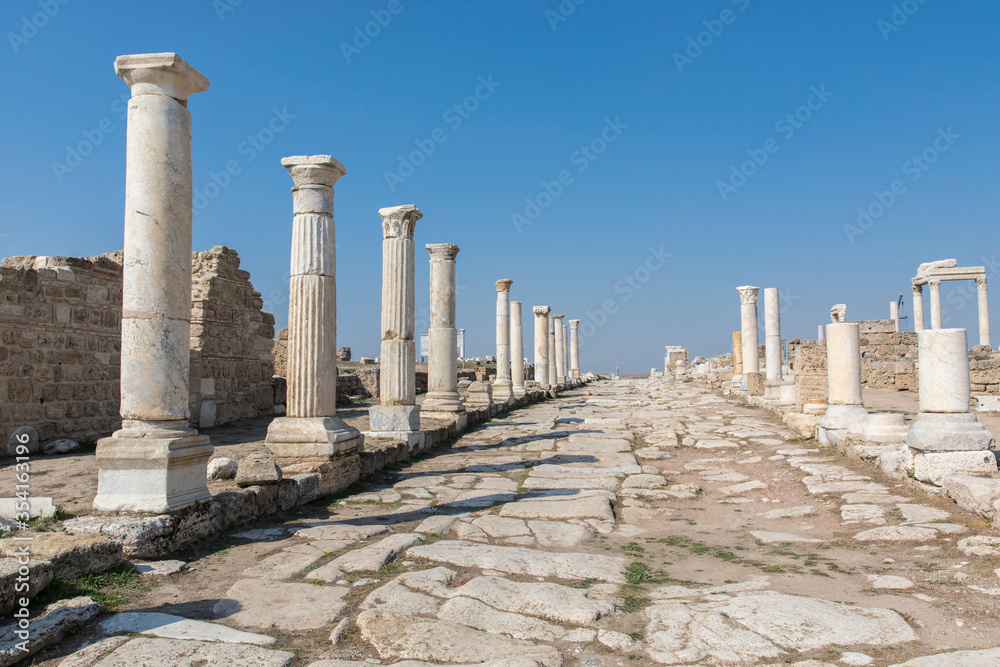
809,361
888,357
60,346
984,368
233,337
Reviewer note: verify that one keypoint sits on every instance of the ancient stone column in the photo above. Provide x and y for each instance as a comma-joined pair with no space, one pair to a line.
560,343
918,308
398,412
502,384
553,372
737,354
666,358
566,358
846,410
574,348
748,328
155,462
935,286
821,335
542,345
944,422
310,428
894,313
772,333
984,313
516,349
442,361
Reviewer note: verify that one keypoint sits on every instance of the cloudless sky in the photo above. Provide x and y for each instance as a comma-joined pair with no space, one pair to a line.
556,85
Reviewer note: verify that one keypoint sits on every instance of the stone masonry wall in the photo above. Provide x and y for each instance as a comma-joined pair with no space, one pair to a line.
888,357
60,346
234,337
984,370
810,371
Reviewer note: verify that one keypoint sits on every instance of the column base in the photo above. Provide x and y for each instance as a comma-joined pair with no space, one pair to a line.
841,420
150,469
502,390
944,432
519,391
576,373
413,439
443,401
885,428
394,418
312,438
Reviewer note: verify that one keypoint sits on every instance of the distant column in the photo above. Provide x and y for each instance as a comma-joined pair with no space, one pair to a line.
560,343
748,328
894,313
398,411
918,308
772,333
553,374
155,462
935,286
984,313
502,384
737,353
574,348
442,367
542,345
822,333
516,349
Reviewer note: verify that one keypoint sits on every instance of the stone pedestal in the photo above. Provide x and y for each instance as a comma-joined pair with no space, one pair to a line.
918,308
480,395
155,462
560,348
748,328
398,412
442,361
945,423
542,345
846,409
516,350
503,386
574,348
885,428
310,428
553,371
772,333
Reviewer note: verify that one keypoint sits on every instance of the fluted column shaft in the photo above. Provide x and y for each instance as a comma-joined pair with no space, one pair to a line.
397,375
516,349
542,346
442,371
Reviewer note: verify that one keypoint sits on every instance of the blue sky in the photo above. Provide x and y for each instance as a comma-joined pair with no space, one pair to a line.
587,112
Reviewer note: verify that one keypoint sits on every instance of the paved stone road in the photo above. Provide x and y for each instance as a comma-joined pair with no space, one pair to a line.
629,522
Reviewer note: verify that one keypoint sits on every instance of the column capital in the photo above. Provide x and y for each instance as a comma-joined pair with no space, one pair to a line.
442,250
558,317
541,310
934,283
573,324
748,294
503,285
399,221
981,282
160,74
918,290
313,170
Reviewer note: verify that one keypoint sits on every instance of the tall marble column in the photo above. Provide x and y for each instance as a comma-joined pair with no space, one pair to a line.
574,348
442,361
516,349
748,328
560,343
566,358
542,345
772,333
846,409
502,384
894,313
944,389
918,308
984,313
553,371
310,428
398,412
935,286
155,462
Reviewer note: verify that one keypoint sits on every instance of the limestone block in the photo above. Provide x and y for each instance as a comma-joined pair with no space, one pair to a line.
932,467
949,432
976,494
257,469
394,418
222,468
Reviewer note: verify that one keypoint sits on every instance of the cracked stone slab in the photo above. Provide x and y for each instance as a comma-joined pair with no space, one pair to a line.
396,597
586,507
406,638
292,607
143,651
475,614
770,537
521,560
543,600
790,512
285,564
985,658
897,534
558,533
340,531
170,626
374,556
